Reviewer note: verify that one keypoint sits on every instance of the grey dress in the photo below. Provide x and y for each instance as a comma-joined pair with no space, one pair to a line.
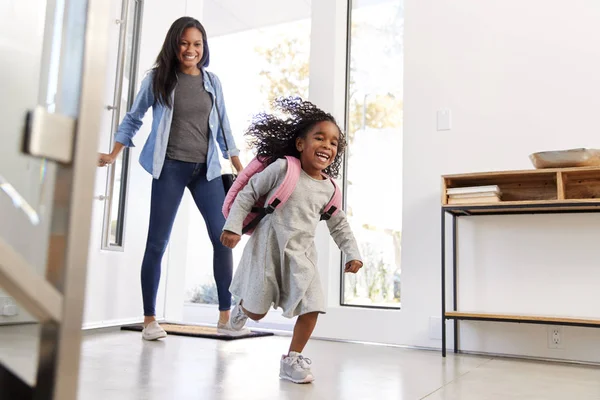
279,263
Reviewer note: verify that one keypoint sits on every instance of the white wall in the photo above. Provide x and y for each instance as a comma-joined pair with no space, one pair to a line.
519,77
113,290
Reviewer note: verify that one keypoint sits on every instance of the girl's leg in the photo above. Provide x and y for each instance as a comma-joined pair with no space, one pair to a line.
295,367
305,325
252,316
167,192
209,197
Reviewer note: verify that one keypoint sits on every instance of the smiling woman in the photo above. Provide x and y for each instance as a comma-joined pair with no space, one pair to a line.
189,123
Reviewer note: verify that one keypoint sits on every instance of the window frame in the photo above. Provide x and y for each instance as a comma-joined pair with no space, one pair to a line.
342,303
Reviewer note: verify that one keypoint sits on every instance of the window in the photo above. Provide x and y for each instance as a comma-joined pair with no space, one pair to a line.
374,157
266,59
125,91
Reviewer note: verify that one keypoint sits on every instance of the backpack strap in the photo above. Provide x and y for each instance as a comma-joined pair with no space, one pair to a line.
334,205
254,167
281,195
285,190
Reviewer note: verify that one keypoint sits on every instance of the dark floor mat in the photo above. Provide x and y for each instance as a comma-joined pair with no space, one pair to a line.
196,331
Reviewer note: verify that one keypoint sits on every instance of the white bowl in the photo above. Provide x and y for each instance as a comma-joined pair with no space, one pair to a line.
566,158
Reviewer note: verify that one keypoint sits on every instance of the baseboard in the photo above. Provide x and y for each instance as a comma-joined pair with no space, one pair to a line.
113,323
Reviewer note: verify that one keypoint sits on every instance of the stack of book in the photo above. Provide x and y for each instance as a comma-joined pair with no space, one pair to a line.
474,195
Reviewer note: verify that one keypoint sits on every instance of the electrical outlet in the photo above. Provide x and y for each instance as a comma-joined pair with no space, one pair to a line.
555,337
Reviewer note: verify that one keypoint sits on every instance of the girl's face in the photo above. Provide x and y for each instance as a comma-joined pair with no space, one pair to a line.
318,148
191,49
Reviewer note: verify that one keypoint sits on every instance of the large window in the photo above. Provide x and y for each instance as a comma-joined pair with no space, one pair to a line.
255,65
374,160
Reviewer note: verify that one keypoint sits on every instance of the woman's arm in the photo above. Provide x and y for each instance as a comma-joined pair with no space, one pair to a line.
225,126
237,164
131,123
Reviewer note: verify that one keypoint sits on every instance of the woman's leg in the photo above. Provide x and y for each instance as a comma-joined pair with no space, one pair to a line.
167,192
209,197
305,325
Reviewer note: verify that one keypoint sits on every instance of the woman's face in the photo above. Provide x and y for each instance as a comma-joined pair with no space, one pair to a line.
191,49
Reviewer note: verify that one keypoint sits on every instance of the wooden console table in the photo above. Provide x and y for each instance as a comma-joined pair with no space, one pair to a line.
544,191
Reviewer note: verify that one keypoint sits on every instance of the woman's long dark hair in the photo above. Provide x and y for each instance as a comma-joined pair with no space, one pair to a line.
167,62
274,137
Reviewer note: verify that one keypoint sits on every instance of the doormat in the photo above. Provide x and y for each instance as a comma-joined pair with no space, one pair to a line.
196,331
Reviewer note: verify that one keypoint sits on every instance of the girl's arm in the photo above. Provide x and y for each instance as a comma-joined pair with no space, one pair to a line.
342,235
259,185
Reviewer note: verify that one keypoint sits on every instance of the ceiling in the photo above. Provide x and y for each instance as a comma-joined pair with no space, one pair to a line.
222,17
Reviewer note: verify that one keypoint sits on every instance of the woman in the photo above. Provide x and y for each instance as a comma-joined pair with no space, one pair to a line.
189,121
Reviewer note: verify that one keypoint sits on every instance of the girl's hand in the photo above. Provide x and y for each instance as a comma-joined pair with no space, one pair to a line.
105,159
353,266
230,239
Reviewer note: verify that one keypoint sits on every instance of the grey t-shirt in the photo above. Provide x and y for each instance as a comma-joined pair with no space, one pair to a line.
189,136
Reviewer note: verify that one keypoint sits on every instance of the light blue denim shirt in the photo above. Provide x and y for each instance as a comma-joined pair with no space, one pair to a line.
154,151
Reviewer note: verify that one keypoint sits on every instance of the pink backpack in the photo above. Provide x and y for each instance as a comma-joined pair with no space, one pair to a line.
263,207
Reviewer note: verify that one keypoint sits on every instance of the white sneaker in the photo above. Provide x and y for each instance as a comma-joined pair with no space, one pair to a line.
227,329
296,368
238,318
153,331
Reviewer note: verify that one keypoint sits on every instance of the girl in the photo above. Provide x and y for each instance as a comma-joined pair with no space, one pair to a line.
189,121
278,265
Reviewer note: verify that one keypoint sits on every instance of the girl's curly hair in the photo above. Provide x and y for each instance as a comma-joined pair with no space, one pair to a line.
275,137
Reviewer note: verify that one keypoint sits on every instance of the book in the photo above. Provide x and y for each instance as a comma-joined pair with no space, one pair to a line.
474,189
474,200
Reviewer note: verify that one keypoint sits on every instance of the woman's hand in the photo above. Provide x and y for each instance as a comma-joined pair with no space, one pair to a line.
230,239
105,159
237,164
353,266
108,159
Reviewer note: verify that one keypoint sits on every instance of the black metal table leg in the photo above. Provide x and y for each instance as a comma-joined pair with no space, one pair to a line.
443,283
454,278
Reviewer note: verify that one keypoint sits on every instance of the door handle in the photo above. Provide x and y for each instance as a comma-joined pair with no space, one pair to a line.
49,135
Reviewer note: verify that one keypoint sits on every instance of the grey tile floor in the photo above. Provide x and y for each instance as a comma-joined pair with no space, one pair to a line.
118,365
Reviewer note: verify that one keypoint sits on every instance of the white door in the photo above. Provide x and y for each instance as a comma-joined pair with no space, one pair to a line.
51,54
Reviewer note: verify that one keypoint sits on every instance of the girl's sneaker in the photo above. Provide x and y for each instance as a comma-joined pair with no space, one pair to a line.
238,318
227,329
296,368
153,331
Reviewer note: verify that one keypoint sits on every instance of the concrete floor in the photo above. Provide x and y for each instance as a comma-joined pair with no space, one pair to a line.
118,365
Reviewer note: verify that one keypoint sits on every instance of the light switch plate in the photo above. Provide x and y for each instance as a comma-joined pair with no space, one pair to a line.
444,120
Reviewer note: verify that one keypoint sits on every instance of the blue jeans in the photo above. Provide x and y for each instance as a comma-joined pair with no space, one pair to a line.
167,192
